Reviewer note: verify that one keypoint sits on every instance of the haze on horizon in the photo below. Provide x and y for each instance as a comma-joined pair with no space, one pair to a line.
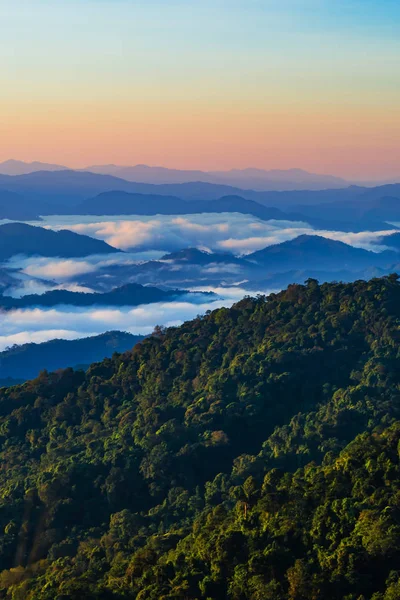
205,85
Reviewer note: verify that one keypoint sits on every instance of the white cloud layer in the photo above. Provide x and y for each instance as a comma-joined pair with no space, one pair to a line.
37,324
146,238
230,232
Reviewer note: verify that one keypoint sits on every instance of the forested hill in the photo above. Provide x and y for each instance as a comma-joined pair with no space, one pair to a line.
249,454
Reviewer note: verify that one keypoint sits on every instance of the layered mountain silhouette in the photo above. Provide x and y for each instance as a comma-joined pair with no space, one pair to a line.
26,361
131,294
123,203
391,241
20,238
269,268
14,207
71,192
313,251
19,167
257,179
194,256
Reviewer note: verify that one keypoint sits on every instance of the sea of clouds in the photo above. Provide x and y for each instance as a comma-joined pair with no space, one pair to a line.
230,232
66,322
142,238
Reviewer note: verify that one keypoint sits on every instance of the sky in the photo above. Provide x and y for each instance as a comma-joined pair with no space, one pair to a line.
208,84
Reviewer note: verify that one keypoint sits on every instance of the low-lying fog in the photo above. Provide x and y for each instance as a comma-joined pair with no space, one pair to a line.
142,238
67,322
227,232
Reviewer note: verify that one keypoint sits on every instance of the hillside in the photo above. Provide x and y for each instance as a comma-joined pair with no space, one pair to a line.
194,256
13,206
131,294
19,238
319,252
123,203
248,454
26,361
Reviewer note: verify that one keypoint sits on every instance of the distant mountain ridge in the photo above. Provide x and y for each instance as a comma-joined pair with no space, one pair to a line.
264,269
131,294
123,203
20,238
257,179
63,191
315,251
26,361
14,207
20,167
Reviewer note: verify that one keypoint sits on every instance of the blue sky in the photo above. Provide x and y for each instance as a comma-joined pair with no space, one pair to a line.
245,57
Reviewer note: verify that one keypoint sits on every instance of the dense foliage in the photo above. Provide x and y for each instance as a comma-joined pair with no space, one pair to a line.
250,454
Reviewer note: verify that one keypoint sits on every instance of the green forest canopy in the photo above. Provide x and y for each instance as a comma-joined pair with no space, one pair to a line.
252,453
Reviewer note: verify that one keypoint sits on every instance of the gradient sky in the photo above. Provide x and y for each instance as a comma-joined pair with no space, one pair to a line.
211,84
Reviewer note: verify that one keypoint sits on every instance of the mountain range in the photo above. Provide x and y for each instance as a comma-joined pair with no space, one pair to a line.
319,253
257,179
123,203
27,360
15,207
353,208
20,167
270,268
132,294
29,240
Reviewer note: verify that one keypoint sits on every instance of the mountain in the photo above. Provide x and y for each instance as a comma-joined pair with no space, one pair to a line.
123,203
6,279
49,191
52,192
387,208
14,207
318,252
271,268
194,256
392,241
19,238
26,361
353,208
19,167
280,280
186,269
249,454
68,188
131,294
379,203
255,179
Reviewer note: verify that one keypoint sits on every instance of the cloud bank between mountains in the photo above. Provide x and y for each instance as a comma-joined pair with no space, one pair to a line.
142,238
66,322
231,232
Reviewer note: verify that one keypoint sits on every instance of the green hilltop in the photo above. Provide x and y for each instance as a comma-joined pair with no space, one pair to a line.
249,454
